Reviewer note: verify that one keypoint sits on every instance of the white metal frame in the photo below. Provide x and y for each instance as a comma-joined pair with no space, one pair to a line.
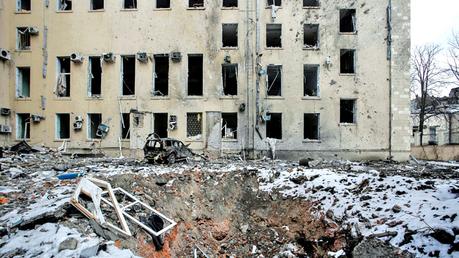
136,221
92,187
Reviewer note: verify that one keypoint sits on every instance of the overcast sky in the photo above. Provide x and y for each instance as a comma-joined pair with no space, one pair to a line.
433,20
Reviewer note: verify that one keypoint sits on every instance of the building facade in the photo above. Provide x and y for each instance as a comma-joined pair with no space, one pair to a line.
326,78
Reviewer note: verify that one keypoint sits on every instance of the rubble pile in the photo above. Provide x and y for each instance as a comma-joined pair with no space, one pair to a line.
233,208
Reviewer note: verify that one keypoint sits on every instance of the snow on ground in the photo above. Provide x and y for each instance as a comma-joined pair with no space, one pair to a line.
375,204
45,241
368,200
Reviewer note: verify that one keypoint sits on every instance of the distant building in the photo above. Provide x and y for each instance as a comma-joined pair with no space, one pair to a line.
442,121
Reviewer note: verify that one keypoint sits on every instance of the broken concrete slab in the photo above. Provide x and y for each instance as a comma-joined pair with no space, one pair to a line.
68,244
375,248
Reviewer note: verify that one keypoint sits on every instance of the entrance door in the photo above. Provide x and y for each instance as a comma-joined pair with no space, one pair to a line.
160,124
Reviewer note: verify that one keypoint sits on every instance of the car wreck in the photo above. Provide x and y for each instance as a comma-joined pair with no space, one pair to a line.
165,150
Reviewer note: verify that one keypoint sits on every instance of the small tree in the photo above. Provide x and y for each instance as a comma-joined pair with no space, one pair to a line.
453,57
425,81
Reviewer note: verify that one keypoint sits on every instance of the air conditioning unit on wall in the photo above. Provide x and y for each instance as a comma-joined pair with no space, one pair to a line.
33,31
4,129
109,57
5,54
142,57
78,124
5,111
37,118
76,58
176,56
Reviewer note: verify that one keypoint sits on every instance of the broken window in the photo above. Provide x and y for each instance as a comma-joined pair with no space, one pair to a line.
195,3
229,125
347,20
311,3
195,75
62,126
274,80
161,124
347,61
23,38
22,126
415,129
311,126
274,35
347,111
97,4
23,5
229,35
64,5
311,35
432,135
23,82
163,4
311,80
194,125
63,77
274,2
94,120
161,75
95,76
229,74
125,125
274,126
229,3
128,75
130,4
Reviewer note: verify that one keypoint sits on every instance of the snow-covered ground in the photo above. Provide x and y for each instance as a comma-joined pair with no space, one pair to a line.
46,241
403,209
376,205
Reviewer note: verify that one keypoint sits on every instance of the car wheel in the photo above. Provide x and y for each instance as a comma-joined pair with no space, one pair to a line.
171,158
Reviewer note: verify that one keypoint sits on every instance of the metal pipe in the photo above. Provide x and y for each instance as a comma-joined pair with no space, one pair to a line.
257,64
389,58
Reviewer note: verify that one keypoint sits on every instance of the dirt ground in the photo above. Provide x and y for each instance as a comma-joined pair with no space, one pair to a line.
227,215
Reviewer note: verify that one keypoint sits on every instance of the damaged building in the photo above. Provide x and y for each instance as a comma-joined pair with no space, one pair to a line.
325,78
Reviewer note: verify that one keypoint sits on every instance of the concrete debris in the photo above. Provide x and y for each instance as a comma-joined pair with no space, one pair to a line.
374,248
22,147
227,207
68,244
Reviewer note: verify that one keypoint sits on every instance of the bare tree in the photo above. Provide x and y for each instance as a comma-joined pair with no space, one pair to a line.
425,82
453,57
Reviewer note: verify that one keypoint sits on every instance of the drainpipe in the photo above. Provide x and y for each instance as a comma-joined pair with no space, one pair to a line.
248,69
389,58
450,135
258,68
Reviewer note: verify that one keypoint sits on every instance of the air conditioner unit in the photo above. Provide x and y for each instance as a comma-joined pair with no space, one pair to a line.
5,54
266,117
176,56
5,111
227,59
142,57
78,124
109,57
76,58
102,130
36,118
33,31
5,129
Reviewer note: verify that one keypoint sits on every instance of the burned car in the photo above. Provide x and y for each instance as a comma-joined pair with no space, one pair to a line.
165,150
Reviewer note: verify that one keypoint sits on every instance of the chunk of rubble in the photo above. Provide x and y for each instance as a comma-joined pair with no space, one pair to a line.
375,248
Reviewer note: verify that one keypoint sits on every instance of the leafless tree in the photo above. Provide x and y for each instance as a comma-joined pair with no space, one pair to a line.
426,79
453,57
